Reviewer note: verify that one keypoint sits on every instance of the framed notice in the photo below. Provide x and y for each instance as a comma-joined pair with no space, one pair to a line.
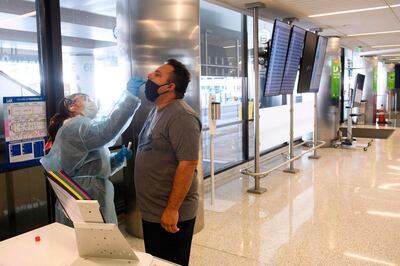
25,130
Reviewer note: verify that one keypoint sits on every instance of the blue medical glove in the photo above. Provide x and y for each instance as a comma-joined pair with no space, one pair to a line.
134,85
122,154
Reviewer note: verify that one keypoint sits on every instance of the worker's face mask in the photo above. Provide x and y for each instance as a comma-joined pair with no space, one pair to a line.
90,109
151,90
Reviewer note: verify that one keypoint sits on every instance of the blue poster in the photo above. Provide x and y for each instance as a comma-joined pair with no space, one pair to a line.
25,130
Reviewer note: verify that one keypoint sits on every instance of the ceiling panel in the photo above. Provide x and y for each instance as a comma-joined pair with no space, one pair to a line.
361,22
309,7
101,7
381,40
396,11
77,24
13,22
351,42
337,25
393,2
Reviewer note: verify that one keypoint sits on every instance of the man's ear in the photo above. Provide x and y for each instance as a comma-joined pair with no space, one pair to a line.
171,86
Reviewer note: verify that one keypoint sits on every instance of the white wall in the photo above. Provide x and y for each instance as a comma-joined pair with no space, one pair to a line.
275,123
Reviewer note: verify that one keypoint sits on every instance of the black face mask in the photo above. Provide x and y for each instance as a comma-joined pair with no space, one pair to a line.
151,90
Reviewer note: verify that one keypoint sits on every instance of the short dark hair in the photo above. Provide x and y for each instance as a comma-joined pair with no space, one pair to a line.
180,76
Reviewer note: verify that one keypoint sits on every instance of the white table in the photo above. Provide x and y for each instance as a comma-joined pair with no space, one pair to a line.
57,246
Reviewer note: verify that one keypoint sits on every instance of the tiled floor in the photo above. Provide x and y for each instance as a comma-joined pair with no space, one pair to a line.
343,209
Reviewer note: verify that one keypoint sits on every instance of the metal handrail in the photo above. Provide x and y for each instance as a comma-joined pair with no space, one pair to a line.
2,73
246,171
266,158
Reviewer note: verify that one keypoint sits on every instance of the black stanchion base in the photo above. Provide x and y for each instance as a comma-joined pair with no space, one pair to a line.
291,171
261,190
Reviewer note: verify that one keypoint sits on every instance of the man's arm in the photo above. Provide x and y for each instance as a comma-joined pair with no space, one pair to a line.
182,181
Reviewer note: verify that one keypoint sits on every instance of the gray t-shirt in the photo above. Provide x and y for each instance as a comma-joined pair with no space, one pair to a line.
168,136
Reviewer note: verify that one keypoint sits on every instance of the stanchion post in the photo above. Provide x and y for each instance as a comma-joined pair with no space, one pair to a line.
212,168
257,188
315,135
213,116
291,168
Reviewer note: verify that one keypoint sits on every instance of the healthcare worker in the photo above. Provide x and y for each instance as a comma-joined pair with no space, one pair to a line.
81,144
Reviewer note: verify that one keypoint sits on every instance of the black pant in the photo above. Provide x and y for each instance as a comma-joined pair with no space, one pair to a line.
168,246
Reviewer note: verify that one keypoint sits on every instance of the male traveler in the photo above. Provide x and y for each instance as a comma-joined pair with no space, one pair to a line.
166,160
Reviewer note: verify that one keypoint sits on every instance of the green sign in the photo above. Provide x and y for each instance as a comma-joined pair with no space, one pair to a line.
390,81
375,81
335,79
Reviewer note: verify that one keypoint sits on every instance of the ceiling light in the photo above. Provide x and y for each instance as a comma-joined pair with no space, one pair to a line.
383,46
390,186
373,33
352,11
29,14
385,214
360,257
230,46
394,167
390,55
348,11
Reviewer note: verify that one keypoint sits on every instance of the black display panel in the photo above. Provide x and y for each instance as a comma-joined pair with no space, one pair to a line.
397,76
358,89
318,64
359,83
307,62
295,50
277,58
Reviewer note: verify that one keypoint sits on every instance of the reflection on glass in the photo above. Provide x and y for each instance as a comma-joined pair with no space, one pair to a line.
228,147
90,54
19,65
221,75
228,92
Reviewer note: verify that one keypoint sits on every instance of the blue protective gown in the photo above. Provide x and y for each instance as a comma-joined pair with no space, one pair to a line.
81,150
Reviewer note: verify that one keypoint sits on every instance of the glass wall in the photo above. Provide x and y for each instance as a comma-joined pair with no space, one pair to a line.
89,50
22,201
90,60
221,75
19,65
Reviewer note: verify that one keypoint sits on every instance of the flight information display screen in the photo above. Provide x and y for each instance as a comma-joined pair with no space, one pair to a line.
307,62
277,58
318,64
293,60
358,89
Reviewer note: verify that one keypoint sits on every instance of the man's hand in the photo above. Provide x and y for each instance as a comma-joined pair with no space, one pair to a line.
169,220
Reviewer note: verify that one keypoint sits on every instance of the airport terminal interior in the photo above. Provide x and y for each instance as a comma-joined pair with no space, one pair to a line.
298,101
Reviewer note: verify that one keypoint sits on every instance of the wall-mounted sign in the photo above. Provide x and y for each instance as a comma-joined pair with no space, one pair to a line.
335,79
25,130
375,81
390,81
